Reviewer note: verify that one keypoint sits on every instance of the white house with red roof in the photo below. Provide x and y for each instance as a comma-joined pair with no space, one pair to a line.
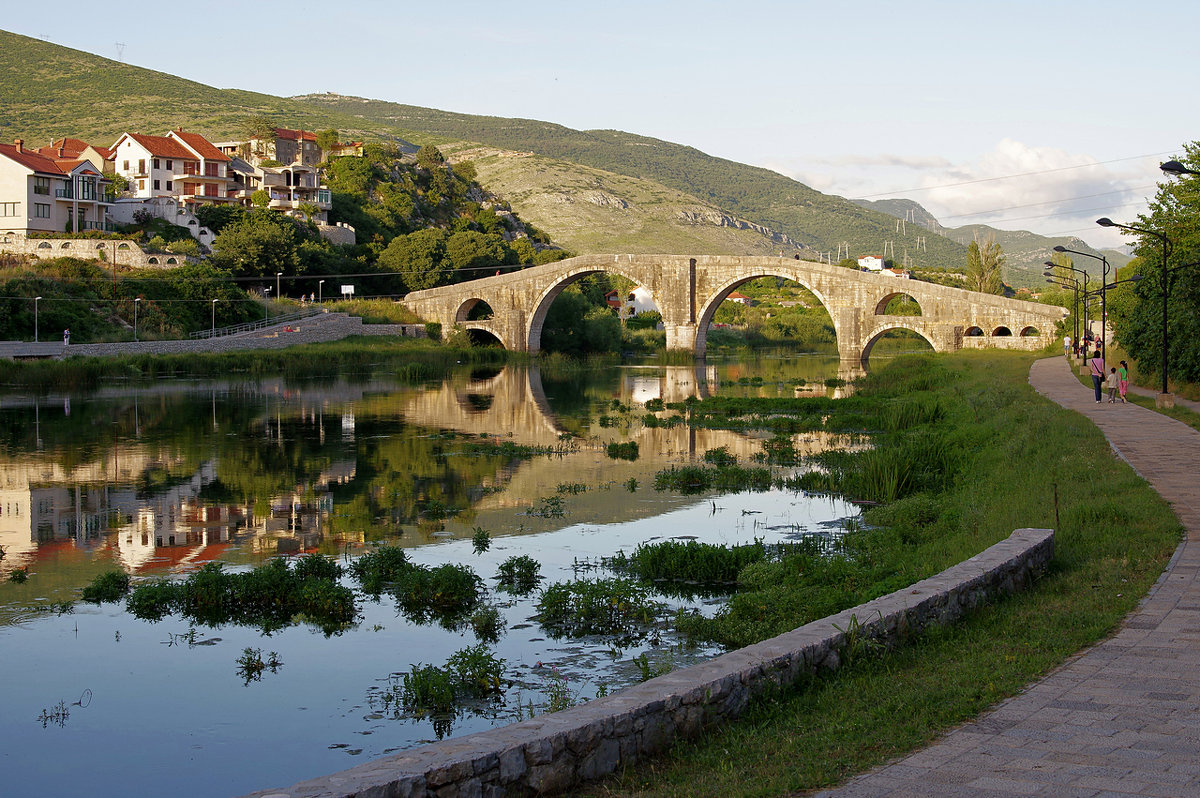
40,194
182,165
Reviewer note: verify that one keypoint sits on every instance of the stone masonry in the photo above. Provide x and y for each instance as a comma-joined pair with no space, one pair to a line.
552,752
689,290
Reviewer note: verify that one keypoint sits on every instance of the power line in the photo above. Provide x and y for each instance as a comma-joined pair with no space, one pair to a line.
1047,202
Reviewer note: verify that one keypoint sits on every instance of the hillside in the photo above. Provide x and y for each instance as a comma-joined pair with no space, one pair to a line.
807,217
52,91
590,210
1026,252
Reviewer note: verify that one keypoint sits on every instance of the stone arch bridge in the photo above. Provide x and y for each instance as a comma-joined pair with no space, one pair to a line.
689,290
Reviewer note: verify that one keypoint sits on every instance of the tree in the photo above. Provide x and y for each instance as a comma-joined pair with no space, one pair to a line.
430,158
984,265
472,254
260,243
418,257
260,198
1174,212
327,140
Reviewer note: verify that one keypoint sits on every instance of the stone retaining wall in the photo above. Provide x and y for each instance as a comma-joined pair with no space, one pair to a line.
126,254
550,753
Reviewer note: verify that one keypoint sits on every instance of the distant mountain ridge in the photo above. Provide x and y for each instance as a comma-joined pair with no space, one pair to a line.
1026,252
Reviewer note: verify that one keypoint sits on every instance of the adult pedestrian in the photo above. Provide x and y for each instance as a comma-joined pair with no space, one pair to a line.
1123,380
1097,368
1067,346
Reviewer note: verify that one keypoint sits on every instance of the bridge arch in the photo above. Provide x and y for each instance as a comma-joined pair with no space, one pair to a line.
1001,332
973,331
542,306
1030,331
473,309
879,332
881,306
709,308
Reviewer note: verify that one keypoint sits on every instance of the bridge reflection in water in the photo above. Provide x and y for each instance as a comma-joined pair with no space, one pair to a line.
148,505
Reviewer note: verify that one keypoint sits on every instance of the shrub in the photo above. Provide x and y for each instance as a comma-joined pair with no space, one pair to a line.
108,586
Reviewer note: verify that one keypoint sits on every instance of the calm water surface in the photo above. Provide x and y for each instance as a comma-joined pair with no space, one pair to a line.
158,481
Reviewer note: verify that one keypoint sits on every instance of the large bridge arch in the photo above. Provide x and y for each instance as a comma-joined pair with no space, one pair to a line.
709,306
542,304
887,298
894,324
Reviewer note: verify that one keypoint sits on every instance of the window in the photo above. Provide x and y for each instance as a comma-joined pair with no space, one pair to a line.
169,165
124,166
141,185
168,182
156,186
141,166
8,208
41,185
41,210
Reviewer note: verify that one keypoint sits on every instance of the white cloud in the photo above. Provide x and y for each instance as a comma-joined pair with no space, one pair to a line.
1014,186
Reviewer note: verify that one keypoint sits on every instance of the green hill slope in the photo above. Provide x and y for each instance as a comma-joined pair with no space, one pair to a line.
690,202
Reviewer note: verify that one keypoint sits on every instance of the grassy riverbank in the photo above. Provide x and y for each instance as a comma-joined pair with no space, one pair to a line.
362,356
1114,537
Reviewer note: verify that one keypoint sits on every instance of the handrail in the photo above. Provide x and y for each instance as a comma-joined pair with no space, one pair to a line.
250,326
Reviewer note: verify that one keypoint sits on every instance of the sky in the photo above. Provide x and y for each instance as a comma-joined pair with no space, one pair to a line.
1041,115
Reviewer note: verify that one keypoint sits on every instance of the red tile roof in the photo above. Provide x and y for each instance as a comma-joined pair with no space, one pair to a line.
30,159
293,135
161,146
200,145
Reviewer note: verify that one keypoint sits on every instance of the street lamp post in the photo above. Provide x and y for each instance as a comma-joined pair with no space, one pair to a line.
267,303
36,299
1073,284
136,301
1078,284
1103,295
1164,399
213,334
277,276
320,290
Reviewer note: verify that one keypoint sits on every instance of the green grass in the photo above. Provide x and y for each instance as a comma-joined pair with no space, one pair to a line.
1014,446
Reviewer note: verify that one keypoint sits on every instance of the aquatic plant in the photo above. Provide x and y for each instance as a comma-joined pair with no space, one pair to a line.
481,540
687,561
488,623
269,597
721,456
623,451
108,586
618,607
251,664
519,575
550,507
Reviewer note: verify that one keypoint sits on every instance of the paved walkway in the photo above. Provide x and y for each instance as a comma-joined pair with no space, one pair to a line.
1122,718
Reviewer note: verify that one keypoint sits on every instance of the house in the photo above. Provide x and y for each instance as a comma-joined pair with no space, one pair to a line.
903,274
290,188
872,263
740,298
40,194
185,166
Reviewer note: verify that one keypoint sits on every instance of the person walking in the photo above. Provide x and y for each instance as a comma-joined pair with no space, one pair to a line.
1097,367
1067,346
1112,385
1123,380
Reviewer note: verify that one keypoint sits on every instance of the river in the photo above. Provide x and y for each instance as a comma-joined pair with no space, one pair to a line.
157,481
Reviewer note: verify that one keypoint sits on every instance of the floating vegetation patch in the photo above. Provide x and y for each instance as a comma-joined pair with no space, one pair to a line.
621,608
108,586
519,575
512,450
469,677
721,456
691,567
623,451
269,597
481,540
573,488
691,479
550,507
251,664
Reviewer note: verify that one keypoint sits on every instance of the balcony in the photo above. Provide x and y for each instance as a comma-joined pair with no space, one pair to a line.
107,227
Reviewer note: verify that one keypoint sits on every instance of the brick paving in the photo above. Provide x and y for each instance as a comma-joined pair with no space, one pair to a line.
1119,719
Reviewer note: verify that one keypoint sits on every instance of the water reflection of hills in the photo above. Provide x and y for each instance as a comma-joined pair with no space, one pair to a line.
168,477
